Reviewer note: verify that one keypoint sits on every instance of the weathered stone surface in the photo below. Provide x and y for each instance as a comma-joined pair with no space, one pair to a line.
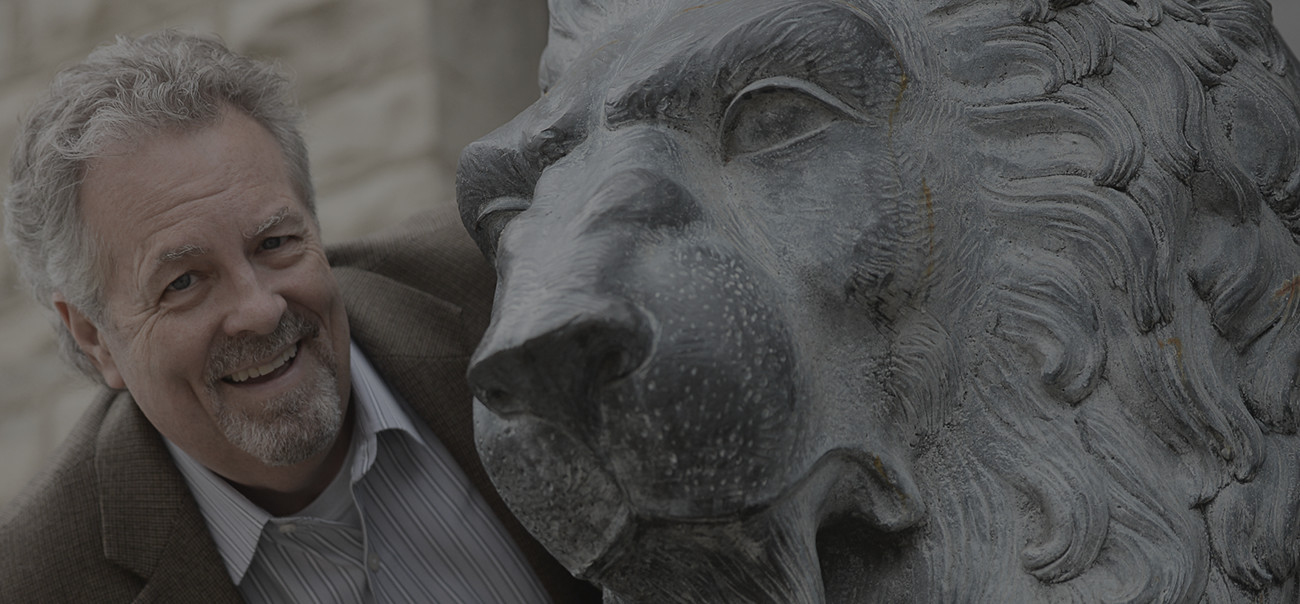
352,133
67,405
65,29
900,301
23,443
392,194
10,42
332,45
489,68
19,93
127,16
36,423
29,364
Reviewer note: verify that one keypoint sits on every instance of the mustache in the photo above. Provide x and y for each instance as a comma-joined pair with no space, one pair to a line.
233,353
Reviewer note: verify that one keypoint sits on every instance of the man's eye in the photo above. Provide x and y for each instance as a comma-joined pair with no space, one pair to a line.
271,243
778,112
181,283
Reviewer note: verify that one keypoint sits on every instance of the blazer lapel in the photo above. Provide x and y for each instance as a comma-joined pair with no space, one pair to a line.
151,524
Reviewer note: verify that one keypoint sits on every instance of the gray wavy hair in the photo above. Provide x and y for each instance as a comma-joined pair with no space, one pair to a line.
125,90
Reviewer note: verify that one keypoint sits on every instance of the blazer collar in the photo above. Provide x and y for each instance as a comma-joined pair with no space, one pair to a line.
418,345
151,524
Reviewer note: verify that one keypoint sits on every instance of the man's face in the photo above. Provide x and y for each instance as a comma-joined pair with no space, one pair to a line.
223,319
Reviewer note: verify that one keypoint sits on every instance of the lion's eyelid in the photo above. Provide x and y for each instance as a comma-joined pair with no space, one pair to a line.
832,107
797,85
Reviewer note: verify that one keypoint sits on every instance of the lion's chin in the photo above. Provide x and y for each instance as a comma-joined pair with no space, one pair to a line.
575,507
566,498
769,553
564,495
555,484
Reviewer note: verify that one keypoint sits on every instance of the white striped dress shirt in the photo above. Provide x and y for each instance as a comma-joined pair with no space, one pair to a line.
400,523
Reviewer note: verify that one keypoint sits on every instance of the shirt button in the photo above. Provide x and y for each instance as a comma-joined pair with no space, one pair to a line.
374,562
287,528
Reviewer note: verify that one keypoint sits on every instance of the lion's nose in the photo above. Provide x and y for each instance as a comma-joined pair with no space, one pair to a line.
549,361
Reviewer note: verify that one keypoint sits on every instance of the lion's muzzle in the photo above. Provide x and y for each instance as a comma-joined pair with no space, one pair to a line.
560,350
640,366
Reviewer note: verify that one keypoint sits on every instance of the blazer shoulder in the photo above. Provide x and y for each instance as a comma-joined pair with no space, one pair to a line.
51,535
430,252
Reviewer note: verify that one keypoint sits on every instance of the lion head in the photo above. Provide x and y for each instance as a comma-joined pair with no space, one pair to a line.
900,300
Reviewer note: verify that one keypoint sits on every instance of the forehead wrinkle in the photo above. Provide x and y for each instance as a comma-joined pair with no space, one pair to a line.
825,43
189,250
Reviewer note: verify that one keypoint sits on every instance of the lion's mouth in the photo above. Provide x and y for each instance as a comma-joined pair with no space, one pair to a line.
558,488
767,552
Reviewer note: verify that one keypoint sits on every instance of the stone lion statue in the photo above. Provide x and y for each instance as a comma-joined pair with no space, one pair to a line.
900,301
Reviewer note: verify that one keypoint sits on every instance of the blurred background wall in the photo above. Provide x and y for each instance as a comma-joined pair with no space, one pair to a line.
392,90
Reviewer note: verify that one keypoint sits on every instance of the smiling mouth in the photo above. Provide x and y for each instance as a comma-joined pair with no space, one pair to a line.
264,373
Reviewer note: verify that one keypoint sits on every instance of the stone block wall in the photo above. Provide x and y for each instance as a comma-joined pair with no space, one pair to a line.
392,90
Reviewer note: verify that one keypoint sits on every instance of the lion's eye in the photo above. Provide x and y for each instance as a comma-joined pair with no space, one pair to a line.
777,112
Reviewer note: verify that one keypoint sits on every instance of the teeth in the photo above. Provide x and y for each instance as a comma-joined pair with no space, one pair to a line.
244,376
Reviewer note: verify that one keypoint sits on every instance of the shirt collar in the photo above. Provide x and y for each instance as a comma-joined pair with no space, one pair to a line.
236,523
377,410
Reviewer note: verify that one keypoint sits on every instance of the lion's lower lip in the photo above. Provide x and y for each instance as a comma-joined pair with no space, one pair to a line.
557,486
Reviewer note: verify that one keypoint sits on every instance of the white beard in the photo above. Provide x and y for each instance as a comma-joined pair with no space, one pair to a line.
289,428
296,425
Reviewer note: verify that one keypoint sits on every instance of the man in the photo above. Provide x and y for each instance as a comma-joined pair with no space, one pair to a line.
279,423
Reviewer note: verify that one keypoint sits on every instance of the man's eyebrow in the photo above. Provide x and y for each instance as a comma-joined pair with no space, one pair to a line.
283,216
177,254
189,250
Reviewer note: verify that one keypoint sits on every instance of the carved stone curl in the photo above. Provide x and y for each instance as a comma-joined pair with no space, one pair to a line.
900,301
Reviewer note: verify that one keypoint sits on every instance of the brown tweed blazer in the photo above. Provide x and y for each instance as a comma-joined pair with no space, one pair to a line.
111,518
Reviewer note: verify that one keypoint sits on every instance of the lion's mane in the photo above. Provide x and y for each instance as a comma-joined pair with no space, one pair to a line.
1098,349
1114,344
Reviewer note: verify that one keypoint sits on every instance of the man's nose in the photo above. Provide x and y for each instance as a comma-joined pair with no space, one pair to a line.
562,353
255,306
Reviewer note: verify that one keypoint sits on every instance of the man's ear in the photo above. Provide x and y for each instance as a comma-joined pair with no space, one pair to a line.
90,341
